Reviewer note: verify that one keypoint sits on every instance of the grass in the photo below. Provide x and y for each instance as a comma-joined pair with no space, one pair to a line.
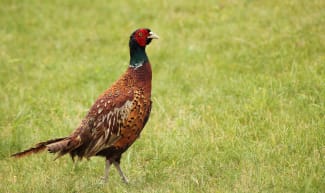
238,92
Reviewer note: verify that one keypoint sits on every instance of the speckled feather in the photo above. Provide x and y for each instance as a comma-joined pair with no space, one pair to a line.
117,117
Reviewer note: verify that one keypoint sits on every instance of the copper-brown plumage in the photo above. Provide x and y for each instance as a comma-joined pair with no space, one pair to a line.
117,117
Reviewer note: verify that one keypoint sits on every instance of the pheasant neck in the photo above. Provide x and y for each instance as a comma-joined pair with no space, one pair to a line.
138,56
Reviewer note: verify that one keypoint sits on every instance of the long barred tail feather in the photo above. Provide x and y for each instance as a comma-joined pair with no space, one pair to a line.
38,148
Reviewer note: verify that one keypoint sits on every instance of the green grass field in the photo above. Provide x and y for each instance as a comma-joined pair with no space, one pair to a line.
238,92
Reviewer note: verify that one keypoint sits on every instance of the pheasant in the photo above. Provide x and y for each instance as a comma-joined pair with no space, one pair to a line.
117,117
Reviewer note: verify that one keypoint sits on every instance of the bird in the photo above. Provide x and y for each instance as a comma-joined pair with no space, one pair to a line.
117,117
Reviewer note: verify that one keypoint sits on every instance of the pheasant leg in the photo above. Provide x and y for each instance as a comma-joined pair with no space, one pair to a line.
107,167
117,166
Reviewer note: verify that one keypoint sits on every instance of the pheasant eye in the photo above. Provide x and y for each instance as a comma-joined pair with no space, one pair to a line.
140,34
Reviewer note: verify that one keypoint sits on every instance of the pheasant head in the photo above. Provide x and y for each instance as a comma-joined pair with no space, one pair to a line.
139,39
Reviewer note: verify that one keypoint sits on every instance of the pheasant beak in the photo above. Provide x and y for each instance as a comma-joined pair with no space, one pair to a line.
152,36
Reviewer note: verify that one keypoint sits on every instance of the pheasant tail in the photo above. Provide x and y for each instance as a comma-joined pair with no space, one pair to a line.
37,148
64,146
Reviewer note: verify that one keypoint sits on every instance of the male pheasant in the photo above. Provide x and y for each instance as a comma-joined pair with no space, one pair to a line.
118,116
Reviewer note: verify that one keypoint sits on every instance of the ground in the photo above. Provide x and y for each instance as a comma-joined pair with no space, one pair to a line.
238,93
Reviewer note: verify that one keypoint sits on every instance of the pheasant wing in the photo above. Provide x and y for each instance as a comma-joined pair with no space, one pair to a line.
103,123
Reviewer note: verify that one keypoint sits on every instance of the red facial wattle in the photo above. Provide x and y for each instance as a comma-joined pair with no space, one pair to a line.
141,37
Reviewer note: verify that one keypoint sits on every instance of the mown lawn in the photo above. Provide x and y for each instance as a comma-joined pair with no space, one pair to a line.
238,92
